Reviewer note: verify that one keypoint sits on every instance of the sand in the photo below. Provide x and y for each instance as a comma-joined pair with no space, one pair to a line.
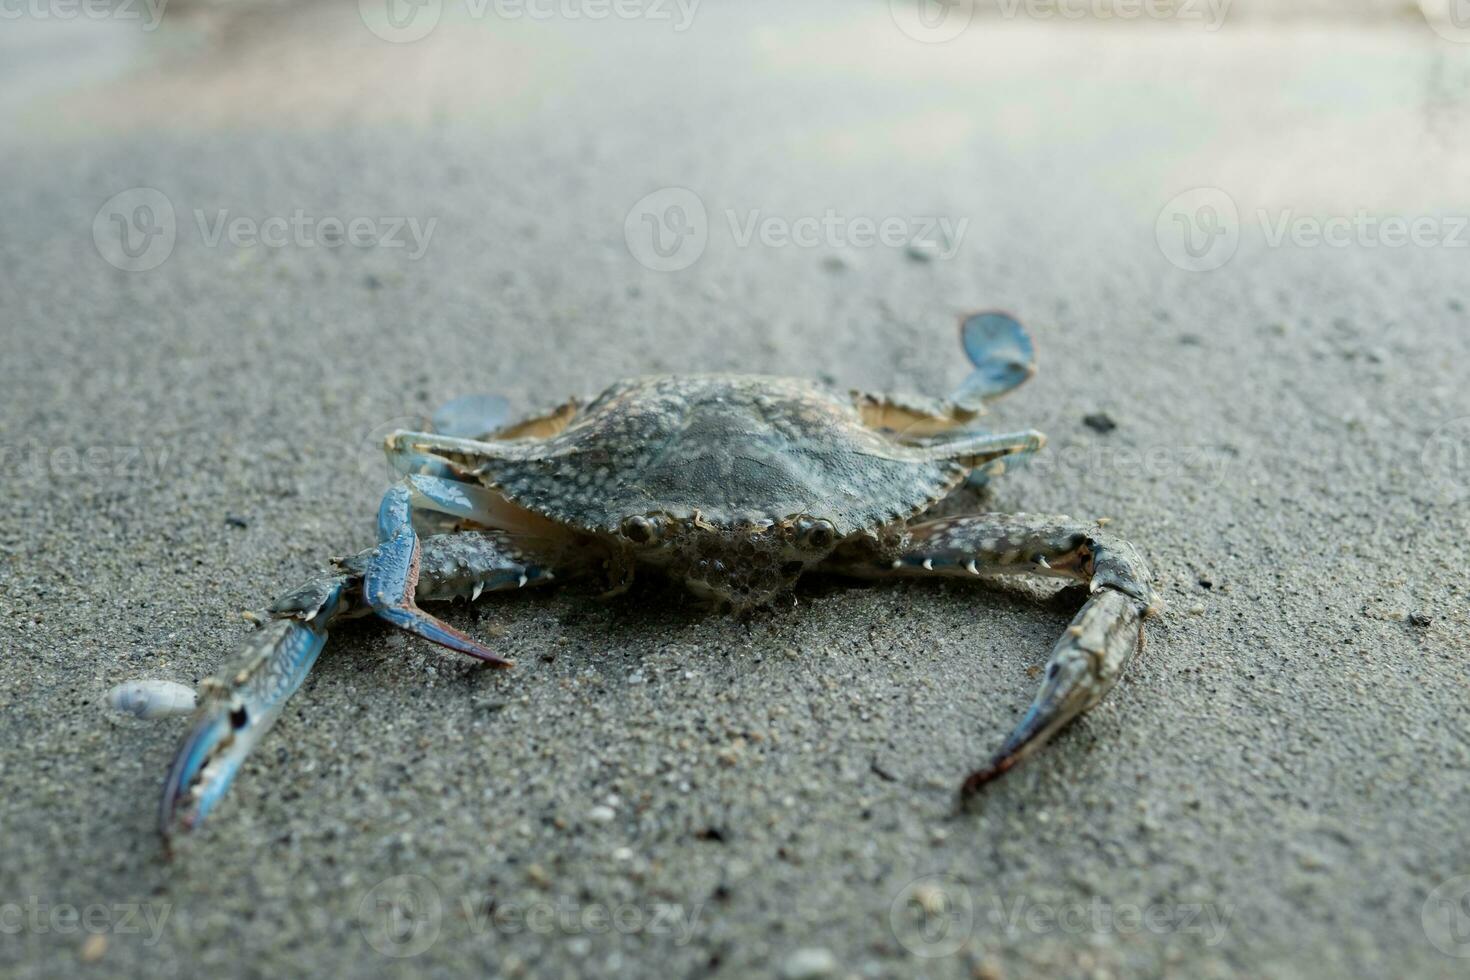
1276,789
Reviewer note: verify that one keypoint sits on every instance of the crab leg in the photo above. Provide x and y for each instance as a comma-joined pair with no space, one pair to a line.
245,696
391,580
1002,353
1091,655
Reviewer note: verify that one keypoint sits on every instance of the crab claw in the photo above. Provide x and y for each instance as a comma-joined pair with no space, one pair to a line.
1085,665
1064,696
238,706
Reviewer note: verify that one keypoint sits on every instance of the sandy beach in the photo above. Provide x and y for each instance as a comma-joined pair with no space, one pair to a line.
239,247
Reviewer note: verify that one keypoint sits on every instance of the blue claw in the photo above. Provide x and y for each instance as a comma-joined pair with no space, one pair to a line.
452,497
239,707
472,417
1002,352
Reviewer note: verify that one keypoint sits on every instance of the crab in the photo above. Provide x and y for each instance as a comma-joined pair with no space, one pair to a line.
733,485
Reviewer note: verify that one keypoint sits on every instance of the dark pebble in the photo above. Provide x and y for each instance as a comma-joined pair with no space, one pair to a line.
1419,619
1099,422
235,520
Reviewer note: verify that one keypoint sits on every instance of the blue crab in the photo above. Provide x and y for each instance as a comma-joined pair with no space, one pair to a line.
733,485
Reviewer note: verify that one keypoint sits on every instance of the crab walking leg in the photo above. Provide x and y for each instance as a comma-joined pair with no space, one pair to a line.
243,699
391,575
1091,655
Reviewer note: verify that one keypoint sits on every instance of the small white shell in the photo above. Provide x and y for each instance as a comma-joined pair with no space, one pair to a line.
151,699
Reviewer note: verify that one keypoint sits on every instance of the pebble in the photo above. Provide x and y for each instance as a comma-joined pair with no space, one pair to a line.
601,814
811,963
94,948
151,699
1099,422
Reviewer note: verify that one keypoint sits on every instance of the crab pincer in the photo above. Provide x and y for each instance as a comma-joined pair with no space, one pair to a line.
238,706
1084,666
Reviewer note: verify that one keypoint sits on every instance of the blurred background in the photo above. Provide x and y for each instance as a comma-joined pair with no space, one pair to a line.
240,240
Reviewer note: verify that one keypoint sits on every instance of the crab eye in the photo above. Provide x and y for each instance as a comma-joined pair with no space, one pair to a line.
640,530
815,534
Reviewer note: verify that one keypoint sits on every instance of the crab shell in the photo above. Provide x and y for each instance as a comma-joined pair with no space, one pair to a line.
734,483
